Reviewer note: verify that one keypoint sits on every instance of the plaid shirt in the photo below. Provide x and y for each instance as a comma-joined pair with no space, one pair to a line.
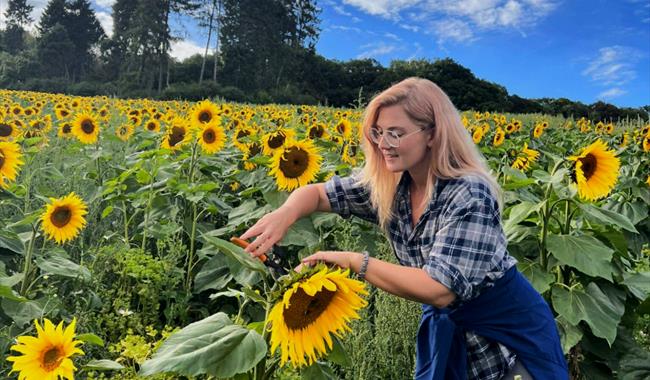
458,241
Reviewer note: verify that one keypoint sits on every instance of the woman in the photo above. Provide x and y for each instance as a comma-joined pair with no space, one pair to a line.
425,184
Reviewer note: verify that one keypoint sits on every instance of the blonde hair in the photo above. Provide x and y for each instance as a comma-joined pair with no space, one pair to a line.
455,154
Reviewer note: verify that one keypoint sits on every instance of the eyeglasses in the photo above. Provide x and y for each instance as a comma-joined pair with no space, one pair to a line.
391,137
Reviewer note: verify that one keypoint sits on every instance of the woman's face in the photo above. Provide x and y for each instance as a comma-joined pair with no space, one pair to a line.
412,152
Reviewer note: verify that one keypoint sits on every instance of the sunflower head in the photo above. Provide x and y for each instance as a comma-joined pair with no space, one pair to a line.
211,137
205,112
63,218
8,130
499,137
85,128
595,171
316,304
178,133
295,165
10,162
46,356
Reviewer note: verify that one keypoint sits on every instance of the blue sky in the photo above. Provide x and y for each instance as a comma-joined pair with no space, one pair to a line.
578,49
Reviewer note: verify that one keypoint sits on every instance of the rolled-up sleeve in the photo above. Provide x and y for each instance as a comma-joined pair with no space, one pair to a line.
347,197
464,247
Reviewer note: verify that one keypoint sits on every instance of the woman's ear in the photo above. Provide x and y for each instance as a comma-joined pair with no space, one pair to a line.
430,138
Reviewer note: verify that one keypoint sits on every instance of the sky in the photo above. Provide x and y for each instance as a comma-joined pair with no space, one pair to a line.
577,49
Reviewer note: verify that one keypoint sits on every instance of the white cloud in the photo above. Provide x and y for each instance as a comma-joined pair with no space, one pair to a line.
392,36
612,93
412,28
106,21
376,49
105,3
346,28
614,65
384,8
39,7
452,30
184,49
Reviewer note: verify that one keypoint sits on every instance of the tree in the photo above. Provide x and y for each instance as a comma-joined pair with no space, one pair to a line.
17,17
52,52
85,32
55,13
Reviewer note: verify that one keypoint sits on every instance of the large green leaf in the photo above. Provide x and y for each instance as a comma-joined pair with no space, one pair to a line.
213,346
318,371
601,307
215,274
638,283
607,217
520,212
301,233
585,253
9,293
540,279
103,365
570,334
247,211
61,266
237,253
11,241
24,313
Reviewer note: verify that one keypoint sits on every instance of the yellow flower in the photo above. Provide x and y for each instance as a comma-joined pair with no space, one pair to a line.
9,162
477,136
318,131
310,311
178,133
211,137
275,140
65,130
8,130
85,128
204,112
526,157
124,131
595,171
537,132
499,136
46,357
63,218
152,125
344,128
295,165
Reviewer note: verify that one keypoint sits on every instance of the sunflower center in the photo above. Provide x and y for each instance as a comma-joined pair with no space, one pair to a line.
276,141
52,359
209,136
87,126
352,150
305,309
151,126
66,128
205,116
242,133
316,132
295,162
588,165
2,159
341,128
255,149
177,135
61,216
5,130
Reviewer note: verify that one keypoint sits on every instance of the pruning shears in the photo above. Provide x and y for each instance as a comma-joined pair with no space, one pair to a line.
274,264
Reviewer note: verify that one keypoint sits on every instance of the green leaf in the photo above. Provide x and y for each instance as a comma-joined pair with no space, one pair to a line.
24,313
301,233
107,211
540,279
9,293
607,217
638,283
237,253
520,212
61,266
247,211
570,334
215,274
11,241
601,308
338,354
318,371
585,253
103,365
91,339
213,346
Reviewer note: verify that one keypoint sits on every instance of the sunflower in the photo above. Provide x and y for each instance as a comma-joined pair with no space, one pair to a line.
124,131
8,130
646,143
318,131
526,157
211,137
314,308
9,162
204,112
178,133
477,136
152,125
538,131
64,218
62,113
65,130
344,128
241,135
349,154
85,128
275,140
295,165
595,171
47,356
499,136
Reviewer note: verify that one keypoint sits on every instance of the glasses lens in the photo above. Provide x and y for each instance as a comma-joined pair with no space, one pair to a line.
392,139
375,136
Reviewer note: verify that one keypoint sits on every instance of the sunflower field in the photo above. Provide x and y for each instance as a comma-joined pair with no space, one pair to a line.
116,258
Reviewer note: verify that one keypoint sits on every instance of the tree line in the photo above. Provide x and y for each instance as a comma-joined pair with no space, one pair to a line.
257,51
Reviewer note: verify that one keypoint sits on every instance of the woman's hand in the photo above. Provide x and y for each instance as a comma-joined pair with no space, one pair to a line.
269,230
341,259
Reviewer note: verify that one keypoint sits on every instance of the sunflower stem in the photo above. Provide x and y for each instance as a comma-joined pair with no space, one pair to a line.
190,255
126,224
28,261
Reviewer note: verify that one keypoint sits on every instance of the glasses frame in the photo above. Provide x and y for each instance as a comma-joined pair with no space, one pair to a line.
392,133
